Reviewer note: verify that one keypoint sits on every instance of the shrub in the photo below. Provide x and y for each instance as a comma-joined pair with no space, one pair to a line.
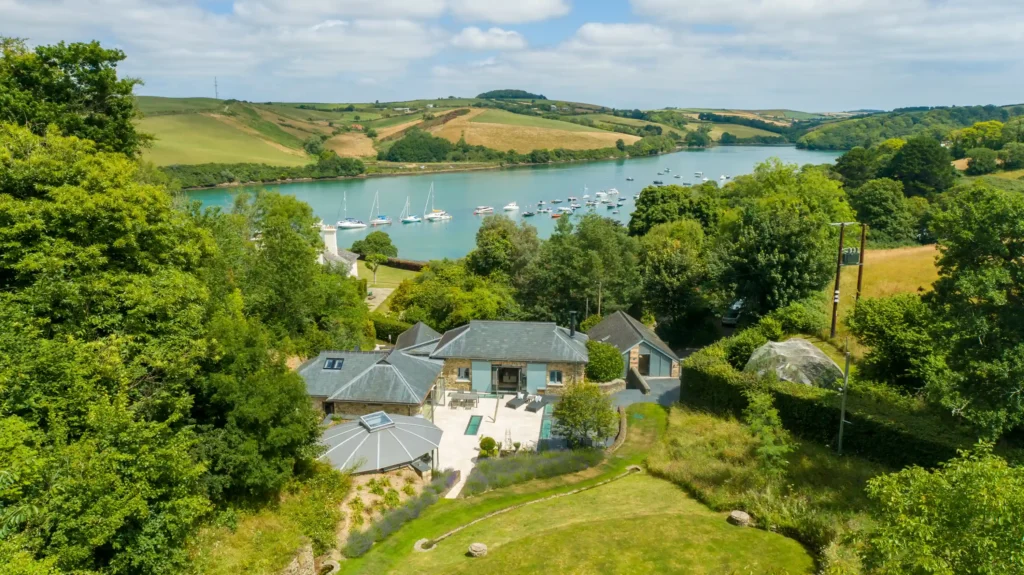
590,322
488,447
740,347
388,328
982,161
317,510
409,489
497,473
605,363
391,499
584,416
897,331
801,317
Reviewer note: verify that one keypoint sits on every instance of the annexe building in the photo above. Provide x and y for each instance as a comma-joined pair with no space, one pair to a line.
640,346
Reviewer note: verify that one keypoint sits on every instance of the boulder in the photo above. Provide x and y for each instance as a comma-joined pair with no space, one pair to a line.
796,360
477,550
741,518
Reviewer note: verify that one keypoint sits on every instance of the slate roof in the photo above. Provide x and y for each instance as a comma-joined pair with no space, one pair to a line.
371,377
624,332
512,341
343,257
418,334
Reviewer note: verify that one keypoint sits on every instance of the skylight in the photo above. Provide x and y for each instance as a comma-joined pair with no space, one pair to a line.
334,363
376,421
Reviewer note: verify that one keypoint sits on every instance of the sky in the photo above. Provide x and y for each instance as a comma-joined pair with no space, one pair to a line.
811,55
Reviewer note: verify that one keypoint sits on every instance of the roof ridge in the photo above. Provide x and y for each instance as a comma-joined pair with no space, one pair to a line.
408,386
352,381
563,337
464,328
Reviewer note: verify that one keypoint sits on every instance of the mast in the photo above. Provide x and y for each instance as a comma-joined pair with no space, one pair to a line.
345,203
429,194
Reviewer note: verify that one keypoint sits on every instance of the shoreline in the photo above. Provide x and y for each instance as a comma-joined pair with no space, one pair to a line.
423,172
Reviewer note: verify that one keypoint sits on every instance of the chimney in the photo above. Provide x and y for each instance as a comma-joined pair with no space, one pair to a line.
572,324
330,239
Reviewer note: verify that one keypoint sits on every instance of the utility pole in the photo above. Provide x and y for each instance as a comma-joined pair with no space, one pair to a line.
846,385
860,270
839,273
216,91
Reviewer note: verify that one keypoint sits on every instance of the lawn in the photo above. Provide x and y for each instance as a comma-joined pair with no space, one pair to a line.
387,277
737,130
202,138
507,131
613,528
639,524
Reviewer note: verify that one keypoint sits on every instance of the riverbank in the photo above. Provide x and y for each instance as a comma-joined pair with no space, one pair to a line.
428,169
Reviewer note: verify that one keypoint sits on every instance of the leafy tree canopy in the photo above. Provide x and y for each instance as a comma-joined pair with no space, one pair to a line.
503,247
74,87
923,166
584,415
448,295
663,204
510,95
881,204
376,242
982,161
605,362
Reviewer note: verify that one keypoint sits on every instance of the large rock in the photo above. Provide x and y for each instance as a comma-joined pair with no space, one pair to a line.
477,549
740,518
796,360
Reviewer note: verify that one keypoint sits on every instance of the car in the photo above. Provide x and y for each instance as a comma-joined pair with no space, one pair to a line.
732,316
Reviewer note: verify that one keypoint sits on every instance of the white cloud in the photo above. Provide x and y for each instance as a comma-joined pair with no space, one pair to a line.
282,12
622,37
509,11
473,38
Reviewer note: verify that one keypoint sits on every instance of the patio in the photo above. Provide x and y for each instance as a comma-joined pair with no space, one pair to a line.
459,451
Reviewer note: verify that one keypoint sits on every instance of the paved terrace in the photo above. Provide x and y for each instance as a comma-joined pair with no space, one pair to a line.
459,451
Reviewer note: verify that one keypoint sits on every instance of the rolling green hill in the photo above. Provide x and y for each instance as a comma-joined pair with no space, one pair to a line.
203,139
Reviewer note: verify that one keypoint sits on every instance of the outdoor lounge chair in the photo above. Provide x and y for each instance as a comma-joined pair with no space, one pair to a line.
537,405
516,402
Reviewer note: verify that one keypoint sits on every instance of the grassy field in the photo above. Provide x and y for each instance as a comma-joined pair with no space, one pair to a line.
351,145
610,119
737,130
577,528
387,277
155,106
509,119
514,135
201,138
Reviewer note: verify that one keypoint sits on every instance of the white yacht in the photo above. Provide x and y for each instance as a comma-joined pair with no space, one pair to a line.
511,207
704,179
573,199
407,216
379,219
434,215
349,223
483,210
613,192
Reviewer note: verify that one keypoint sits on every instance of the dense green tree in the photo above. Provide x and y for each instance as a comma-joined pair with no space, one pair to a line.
604,362
774,179
503,247
663,204
674,266
727,139
982,161
417,146
74,87
967,517
376,242
857,167
1013,131
923,166
698,139
1013,156
620,145
584,416
780,251
980,135
899,332
881,204
589,322
866,131
314,145
589,264
979,296
448,295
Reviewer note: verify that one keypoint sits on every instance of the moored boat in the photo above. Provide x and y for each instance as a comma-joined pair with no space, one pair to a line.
483,210
511,207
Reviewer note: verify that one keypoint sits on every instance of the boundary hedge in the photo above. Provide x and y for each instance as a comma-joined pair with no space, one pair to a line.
388,328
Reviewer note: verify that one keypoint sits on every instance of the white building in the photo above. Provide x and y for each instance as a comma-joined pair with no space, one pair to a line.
334,256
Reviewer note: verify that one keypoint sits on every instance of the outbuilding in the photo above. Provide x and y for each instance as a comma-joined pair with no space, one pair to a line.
640,346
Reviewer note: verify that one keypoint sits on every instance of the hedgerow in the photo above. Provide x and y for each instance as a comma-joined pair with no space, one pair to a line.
495,473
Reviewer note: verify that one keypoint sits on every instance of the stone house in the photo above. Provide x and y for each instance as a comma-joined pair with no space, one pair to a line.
640,347
484,356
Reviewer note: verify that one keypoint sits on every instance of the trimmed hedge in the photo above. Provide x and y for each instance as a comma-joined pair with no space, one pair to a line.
496,473
388,328
883,425
359,542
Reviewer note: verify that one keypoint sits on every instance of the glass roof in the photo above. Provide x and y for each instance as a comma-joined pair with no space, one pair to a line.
376,421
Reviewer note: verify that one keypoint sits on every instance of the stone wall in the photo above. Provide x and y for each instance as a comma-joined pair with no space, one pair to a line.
450,373
613,386
571,373
675,369
634,358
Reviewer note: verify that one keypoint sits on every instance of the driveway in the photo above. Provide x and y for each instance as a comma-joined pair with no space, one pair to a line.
377,297
664,391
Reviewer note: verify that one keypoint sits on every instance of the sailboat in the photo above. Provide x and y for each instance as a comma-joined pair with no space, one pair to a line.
407,216
349,223
434,215
379,219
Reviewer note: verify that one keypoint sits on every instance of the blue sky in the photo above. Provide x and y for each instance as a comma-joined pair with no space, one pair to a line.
815,55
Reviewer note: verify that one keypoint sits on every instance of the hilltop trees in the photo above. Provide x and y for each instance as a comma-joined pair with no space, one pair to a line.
923,166
74,87
881,204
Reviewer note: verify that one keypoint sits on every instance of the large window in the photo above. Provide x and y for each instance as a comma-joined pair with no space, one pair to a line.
465,374
555,377
334,363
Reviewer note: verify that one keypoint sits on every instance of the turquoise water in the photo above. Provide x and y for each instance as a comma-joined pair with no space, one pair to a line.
460,192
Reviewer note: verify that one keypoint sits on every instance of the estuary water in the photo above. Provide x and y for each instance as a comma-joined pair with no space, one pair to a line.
459,193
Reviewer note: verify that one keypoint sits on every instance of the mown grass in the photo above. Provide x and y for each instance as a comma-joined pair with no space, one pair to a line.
510,119
156,105
820,500
202,139
646,425
387,277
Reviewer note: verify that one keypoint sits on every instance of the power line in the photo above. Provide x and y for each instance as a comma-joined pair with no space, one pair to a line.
216,92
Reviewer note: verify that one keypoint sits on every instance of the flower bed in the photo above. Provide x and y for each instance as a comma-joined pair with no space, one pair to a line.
494,473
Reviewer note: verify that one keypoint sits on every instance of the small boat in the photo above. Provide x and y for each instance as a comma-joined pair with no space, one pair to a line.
483,210
613,192
678,177
528,214
575,206
434,215
611,206
573,198
728,177
705,180
615,212
565,210
659,183
591,203
722,178
541,203
556,215
544,211
620,203
629,179
379,219
668,170
407,217
661,173
699,174
585,196
636,197
511,207
349,223
556,201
